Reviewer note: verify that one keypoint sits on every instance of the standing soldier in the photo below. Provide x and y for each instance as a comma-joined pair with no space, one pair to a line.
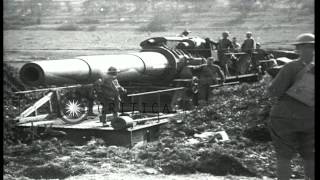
108,92
248,46
224,46
235,44
292,117
207,75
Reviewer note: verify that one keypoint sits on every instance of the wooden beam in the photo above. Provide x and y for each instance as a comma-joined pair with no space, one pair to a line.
53,89
224,84
36,105
154,118
32,118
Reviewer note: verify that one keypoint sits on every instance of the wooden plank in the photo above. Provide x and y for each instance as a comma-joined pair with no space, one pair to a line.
125,137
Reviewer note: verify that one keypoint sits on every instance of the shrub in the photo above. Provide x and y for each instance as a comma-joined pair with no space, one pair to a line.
68,27
92,28
157,24
88,21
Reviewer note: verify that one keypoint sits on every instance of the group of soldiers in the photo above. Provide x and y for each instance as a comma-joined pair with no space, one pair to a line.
291,122
208,74
227,50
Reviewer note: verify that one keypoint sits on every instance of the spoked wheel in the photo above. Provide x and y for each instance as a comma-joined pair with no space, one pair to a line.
74,107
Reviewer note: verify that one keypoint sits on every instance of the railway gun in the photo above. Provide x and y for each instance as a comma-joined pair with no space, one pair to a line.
157,78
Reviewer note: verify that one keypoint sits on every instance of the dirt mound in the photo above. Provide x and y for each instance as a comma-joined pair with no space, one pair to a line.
48,171
222,164
241,111
258,133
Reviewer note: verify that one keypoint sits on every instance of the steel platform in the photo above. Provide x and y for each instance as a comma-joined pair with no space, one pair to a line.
83,132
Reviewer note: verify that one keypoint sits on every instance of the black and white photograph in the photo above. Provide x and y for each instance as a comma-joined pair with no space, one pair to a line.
158,89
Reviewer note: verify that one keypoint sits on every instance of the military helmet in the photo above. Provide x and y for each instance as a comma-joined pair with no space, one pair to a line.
225,33
258,44
248,34
305,38
112,70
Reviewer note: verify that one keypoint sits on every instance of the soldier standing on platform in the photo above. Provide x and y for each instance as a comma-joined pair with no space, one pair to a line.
248,46
224,46
109,91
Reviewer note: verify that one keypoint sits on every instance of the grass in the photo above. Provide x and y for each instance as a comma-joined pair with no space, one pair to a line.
68,27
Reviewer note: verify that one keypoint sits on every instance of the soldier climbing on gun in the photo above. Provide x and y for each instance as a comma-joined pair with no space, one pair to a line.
207,75
109,93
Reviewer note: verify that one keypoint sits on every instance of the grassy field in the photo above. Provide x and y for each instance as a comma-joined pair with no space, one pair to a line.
120,34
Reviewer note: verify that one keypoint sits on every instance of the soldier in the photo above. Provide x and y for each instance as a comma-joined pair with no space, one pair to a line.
263,54
235,44
224,46
248,45
207,75
292,117
109,91
210,45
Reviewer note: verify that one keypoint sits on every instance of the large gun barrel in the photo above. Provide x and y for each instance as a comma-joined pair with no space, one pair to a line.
141,66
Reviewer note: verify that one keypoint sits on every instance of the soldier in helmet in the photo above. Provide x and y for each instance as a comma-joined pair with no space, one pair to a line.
261,53
109,91
235,44
292,117
207,75
248,46
224,46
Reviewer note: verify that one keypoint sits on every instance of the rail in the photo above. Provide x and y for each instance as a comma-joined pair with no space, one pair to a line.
155,92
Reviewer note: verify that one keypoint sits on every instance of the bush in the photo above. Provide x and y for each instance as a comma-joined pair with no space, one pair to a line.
88,21
92,28
68,27
157,24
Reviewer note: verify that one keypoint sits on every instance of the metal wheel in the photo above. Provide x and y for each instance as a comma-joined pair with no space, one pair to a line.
74,107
